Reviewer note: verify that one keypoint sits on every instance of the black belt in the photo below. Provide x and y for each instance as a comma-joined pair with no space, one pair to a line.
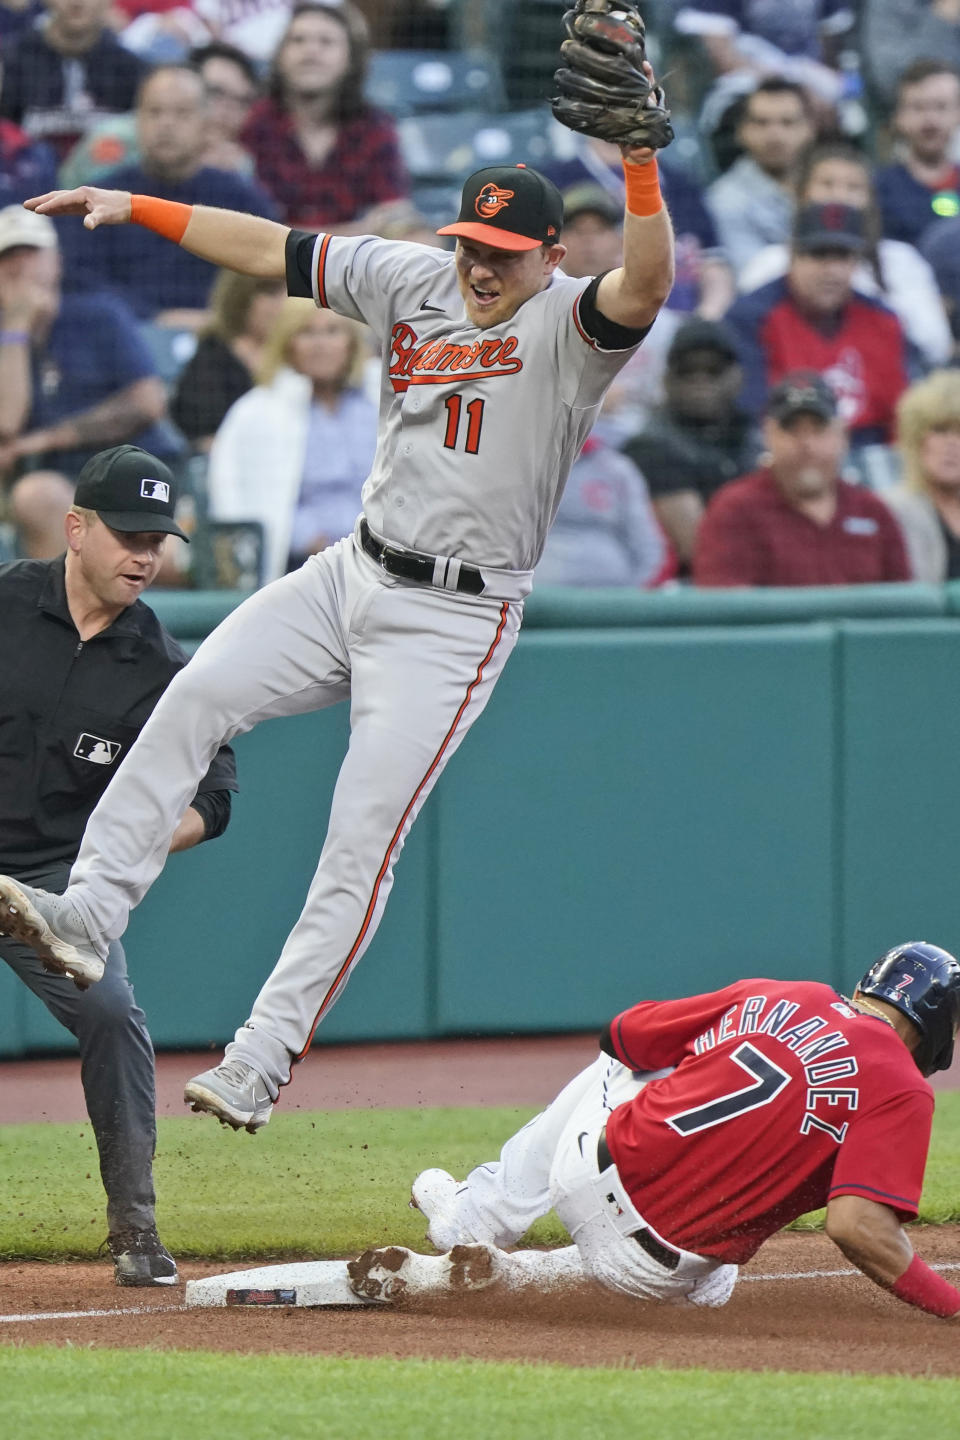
421,568
664,1255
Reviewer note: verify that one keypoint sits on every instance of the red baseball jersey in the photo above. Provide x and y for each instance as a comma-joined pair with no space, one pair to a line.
861,352
783,1096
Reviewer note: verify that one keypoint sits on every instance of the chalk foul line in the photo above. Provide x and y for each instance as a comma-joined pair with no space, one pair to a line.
89,1314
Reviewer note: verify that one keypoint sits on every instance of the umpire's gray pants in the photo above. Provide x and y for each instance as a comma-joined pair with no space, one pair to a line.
116,1066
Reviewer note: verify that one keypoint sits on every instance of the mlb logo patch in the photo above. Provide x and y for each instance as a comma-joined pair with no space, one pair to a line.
97,750
155,490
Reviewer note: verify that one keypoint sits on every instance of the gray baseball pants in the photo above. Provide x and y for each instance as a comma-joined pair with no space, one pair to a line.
418,666
116,1066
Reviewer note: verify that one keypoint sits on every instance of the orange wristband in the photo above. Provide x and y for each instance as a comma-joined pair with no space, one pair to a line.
167,217
643,188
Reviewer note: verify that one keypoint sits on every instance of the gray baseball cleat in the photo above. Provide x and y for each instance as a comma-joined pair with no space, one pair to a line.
392,1274
233,1091
52,928
434,1194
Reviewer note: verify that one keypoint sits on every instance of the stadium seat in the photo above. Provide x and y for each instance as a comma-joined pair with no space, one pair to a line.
524,36
171,349
230,555
444,149
411,82
224,554
437,203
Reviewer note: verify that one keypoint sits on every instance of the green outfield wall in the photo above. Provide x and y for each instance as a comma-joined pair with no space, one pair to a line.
666,792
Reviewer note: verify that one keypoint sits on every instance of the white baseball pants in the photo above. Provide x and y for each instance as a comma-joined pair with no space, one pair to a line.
552,1162
418,665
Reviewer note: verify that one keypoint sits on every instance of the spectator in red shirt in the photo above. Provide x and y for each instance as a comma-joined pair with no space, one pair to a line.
704,1126
814,319
324,154
796,521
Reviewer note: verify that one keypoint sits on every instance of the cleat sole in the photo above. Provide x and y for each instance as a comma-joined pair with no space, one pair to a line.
368,1286
204,1101
20,921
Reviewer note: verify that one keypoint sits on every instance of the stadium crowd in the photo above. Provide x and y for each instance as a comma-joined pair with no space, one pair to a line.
793,417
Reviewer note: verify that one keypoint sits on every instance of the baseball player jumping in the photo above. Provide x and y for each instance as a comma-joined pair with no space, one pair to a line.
494,368
707,1125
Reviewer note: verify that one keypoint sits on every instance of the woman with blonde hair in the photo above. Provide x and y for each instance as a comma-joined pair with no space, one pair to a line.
927,504
243,309
293,452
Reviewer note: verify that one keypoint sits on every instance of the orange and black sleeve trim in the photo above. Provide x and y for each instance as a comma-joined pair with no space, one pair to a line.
596,327
300,247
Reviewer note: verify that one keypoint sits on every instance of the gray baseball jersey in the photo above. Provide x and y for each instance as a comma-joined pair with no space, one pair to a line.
478,428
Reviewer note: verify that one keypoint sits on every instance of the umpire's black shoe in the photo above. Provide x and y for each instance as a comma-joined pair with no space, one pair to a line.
139,1258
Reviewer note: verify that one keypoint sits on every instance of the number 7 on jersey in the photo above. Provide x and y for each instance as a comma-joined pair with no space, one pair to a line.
768,1081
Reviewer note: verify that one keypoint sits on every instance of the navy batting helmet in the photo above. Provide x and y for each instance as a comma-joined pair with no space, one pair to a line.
922,982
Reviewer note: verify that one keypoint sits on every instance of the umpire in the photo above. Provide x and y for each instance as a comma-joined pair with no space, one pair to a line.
84,662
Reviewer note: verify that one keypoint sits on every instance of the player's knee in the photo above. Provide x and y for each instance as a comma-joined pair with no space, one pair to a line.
108,1006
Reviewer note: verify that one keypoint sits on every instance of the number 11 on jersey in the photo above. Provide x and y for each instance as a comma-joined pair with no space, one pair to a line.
454,405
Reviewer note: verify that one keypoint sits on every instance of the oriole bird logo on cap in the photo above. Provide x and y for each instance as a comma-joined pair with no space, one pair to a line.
491,200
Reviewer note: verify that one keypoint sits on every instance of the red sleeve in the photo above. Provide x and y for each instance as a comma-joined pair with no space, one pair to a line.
727,550
884,1155
896,376
657,1033
132,8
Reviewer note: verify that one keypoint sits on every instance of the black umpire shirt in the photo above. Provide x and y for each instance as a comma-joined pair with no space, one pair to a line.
70,711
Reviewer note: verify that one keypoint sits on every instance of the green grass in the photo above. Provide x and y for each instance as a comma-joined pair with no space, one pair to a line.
321,1184
148,1395
311,1184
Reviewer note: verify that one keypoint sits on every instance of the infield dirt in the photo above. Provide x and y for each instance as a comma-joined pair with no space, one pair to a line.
838,1323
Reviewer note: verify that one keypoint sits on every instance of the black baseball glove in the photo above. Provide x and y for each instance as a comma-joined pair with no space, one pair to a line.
603,88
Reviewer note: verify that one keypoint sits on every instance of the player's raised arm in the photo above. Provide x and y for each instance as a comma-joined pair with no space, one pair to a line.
634,294
608,90
246,243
